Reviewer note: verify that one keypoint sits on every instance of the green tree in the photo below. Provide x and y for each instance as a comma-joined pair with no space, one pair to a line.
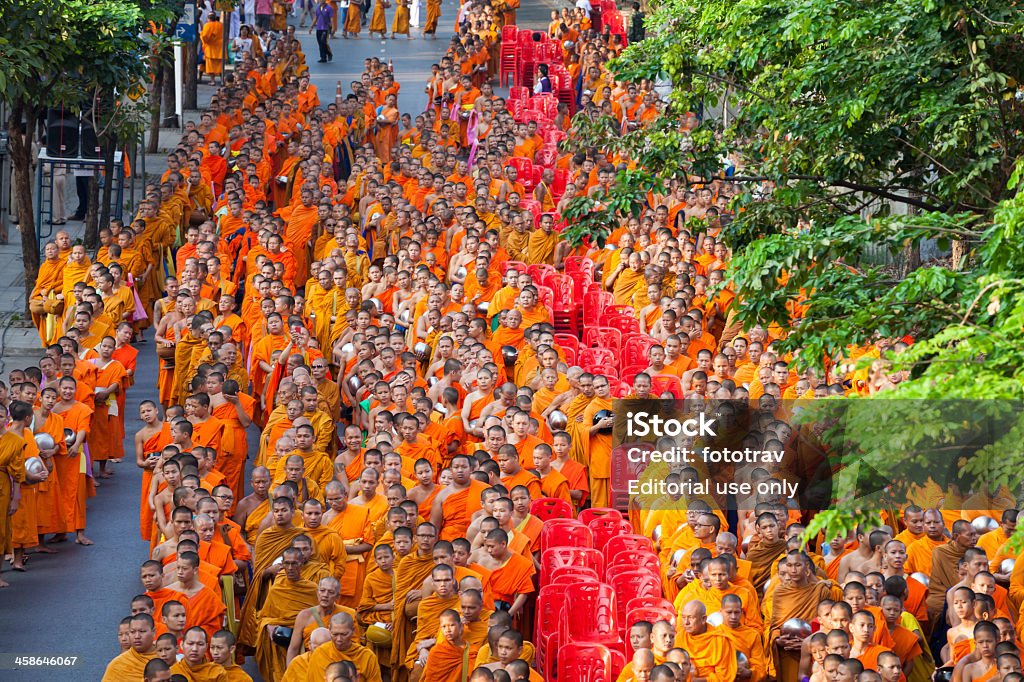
863,126
70,53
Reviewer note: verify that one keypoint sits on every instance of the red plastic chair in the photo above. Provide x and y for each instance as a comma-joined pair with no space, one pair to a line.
556,557
592,618
618,662
597,360
544,294
517,264
594,302
608,338
651,603
584,662
620,567
566,312
635,349
588,515
554,136
652,614
567,341
540,271
634,561
666,382
507,54
518,93
550,601
545,158
531,205
574,574
613,311
523,166
546,508
605,528
560,181
632,584
626,325
565,533
625,544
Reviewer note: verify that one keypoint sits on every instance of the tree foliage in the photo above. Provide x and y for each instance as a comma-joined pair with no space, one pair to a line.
70,53
865,126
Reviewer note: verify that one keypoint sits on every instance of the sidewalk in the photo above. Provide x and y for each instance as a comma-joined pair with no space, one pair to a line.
19,341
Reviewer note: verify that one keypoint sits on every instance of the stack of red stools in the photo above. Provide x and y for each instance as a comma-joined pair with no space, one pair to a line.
597,578
507,54
616,23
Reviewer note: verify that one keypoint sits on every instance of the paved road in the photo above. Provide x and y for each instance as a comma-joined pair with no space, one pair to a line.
70,603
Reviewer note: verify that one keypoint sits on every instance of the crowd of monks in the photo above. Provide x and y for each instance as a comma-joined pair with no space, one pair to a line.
362,391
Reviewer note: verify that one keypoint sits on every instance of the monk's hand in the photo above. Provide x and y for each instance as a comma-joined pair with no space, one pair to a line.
743,672
789,642
12,506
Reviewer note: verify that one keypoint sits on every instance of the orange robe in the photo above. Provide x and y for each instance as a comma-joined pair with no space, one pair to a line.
105,433
458,508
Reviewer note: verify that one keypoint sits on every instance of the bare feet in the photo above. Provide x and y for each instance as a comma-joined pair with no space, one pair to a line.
80,539
4,583
43,549
59,537
104,474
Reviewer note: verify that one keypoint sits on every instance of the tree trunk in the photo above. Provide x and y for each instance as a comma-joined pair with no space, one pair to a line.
910,259
92,229
20,146
959,249
169,120
155,96
109,147
190,100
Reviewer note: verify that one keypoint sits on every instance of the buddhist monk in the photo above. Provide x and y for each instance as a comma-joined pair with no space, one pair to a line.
449,659
510,581
286,598
204,606
222,652
342,648
131,664
352,523
194,664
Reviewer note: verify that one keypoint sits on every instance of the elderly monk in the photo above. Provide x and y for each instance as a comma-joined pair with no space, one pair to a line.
342,648
316,616
130,664
253,508
286,598
193,664
449,659
298,667
711,652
